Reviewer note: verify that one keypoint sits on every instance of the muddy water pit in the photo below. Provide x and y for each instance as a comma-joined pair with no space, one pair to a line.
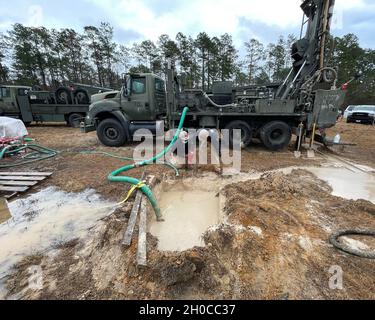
190,207
47,219
348,184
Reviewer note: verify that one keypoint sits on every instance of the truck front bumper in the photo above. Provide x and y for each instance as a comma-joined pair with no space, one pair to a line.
87,127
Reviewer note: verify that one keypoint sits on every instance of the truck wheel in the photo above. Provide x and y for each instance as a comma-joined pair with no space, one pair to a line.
111,133
74,120
276,135
246,132
81,96
63,96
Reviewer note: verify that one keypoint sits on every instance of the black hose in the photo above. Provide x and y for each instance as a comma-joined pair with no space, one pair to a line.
334,239
326,77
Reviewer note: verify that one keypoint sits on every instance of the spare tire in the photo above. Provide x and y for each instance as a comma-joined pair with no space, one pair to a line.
63,96
246,132
82,96
276,135
74,120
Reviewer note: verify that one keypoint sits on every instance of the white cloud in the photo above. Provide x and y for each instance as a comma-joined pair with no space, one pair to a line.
151,18
212,16
35,16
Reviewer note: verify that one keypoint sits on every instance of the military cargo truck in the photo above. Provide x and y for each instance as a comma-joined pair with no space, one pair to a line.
22,103
77,93
308,97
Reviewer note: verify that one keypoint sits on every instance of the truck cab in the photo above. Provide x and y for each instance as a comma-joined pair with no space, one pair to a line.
21,102
138,105
8,98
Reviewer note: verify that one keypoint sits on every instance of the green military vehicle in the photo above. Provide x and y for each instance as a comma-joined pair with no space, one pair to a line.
308,97
23,103
77,93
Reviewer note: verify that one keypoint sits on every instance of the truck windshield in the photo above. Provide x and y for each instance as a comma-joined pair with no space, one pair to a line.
365,108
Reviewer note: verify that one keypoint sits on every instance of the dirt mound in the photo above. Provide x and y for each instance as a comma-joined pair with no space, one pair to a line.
273,245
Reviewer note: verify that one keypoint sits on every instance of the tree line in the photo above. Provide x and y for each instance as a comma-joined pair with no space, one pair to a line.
50,58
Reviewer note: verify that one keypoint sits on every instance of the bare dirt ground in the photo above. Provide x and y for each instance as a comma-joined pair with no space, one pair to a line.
272,245
362,136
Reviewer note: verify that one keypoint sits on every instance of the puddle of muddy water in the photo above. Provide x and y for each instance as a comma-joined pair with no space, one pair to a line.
348,184
46,219
189,209
188,214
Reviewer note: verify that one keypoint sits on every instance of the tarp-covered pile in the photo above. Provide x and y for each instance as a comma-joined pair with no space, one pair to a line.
12,128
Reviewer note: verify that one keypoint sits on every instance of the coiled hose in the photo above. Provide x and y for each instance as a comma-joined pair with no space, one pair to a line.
40,153
114,176
334,239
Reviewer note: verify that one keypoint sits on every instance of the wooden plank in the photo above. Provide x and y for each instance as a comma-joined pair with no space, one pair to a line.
21,178
19,183
14,189
4,211
142,237
127,240
25,173
8,196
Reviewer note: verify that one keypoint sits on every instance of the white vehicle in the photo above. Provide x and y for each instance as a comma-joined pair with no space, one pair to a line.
361,114
348,110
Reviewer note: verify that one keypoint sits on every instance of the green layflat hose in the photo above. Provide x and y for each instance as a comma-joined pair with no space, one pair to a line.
111,155
114,176
40,153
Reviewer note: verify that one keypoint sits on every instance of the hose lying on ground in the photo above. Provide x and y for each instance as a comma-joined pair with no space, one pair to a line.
39,153
334,239
114,176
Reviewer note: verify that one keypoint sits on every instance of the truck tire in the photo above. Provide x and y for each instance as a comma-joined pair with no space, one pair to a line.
246,132
27,123
63,96
74,120
81,96
111,133
276,135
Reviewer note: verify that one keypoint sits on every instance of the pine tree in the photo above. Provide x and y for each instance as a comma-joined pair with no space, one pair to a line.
94,47
254,56
227,57
4,71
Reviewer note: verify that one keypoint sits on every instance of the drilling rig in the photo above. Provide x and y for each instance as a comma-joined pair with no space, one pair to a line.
308,98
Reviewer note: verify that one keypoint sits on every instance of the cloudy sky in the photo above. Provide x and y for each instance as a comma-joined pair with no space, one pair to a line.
136,20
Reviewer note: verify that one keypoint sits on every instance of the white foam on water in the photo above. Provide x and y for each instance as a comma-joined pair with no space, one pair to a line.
46,219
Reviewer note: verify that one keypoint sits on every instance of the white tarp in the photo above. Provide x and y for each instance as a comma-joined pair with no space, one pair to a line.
12,128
